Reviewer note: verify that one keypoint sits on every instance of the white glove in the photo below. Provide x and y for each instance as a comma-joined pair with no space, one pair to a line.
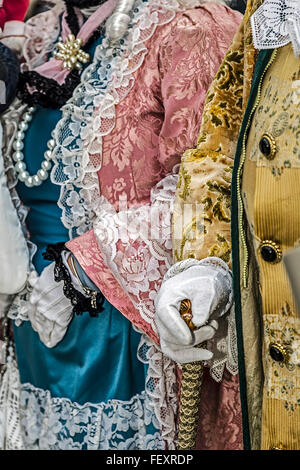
188,353
207,284
50,312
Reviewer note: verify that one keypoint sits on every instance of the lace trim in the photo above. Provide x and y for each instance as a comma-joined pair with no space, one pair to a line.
105,83
277,23
10,426
136,245
161,389
10,120
224,348
50,423
30,418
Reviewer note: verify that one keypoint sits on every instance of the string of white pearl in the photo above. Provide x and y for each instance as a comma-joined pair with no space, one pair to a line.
18,156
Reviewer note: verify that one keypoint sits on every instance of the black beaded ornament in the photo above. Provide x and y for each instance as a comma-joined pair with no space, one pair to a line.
80,302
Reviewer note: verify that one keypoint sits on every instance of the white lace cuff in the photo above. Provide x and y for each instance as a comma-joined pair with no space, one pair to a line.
13,28
275,24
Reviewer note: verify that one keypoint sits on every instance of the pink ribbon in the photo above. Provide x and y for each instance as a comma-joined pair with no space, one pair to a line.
53,68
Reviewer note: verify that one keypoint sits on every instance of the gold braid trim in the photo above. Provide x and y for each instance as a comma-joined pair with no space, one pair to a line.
192,375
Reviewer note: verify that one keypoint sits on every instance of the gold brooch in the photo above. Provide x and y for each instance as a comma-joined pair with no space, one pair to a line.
71,54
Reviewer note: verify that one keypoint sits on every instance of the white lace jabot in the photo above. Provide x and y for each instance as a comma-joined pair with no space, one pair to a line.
277,23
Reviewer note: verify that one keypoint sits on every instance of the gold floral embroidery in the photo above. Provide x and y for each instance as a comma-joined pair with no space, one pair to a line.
221,249
282,379
185,181
279,115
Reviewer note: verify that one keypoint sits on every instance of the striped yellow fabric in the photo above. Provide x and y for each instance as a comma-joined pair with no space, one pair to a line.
271,192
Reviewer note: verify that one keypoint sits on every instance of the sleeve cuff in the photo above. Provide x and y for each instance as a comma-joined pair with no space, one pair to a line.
13,28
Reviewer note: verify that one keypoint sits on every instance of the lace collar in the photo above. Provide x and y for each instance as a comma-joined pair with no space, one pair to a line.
277,23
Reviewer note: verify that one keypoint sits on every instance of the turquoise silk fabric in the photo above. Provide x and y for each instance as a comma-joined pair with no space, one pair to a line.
97,359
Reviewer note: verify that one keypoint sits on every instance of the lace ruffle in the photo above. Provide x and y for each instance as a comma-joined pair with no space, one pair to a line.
77,155
275,24
30,418
10,426
161,389
136,244
50,423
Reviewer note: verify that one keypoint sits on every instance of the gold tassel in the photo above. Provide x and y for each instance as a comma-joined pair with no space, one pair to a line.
192,375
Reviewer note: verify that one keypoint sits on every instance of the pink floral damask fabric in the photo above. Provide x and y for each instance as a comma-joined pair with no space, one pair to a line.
156,121
220,418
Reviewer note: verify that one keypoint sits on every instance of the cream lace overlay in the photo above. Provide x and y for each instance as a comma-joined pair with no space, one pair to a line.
78,135
41,33
31,419
136,244
10,426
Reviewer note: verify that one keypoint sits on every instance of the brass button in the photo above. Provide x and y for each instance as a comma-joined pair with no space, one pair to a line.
267,146
270,252
278,352
278,447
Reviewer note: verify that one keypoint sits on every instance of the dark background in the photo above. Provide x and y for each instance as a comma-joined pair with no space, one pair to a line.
238,5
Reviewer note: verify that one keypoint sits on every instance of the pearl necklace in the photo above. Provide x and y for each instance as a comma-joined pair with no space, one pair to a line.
18,156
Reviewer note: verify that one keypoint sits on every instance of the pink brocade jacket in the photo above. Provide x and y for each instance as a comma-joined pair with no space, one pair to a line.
155,122
119,180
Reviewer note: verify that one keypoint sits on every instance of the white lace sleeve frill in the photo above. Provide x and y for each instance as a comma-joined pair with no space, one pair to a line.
276,23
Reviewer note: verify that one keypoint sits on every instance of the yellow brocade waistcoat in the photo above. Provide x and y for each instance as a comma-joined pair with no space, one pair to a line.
271,198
